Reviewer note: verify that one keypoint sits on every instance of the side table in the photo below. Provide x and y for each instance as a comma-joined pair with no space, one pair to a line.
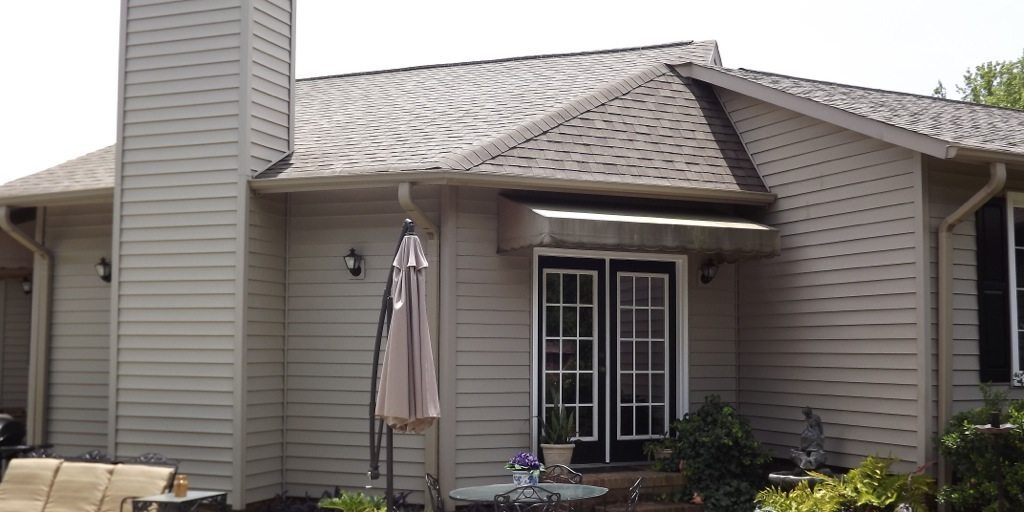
189,503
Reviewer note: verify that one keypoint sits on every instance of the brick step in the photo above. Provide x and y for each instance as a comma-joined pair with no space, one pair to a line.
656,483
652,506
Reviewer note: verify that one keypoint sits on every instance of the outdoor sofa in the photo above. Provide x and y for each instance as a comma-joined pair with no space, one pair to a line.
46,484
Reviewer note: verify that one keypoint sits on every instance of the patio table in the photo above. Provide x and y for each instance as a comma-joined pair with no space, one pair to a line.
569,492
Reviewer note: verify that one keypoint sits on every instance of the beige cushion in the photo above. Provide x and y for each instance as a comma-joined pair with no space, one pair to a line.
134,481
26,484
79,487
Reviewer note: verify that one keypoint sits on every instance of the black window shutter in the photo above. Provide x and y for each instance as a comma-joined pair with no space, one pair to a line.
993,292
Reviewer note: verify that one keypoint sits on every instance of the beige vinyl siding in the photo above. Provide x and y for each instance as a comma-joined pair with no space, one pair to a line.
949,188
493,302
15,326
331,324
711,315
832,322
79,363
182,212
271,56
12,254
264,399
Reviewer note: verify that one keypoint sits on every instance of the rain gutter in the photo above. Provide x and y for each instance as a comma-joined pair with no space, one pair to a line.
39,335
996,182
414,211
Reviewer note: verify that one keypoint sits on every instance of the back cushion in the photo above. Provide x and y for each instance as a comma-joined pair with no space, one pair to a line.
26,484
79,487
134,481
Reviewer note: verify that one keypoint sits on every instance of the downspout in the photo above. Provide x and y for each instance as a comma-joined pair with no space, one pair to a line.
40,331
996,182
415,213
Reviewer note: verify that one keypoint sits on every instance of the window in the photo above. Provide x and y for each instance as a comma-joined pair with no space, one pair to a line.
1000,274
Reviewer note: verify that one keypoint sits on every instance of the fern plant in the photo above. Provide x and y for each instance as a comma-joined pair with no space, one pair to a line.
347,501
870,487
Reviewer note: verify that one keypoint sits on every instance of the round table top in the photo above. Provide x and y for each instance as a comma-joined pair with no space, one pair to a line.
569,492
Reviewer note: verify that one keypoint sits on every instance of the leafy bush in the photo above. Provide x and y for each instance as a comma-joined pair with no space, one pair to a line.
349,501
722,460
869,487
987,473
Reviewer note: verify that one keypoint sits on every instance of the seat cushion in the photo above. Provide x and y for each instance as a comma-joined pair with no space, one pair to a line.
26,484
134,481
79,487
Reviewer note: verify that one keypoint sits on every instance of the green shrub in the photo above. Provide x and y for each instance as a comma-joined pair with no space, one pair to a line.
349,501
722,460
987,472
869,487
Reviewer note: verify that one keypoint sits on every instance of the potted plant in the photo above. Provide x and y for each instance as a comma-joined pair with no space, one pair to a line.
526,469
556,436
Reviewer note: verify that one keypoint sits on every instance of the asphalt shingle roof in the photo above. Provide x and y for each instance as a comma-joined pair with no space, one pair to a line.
956,122
92,171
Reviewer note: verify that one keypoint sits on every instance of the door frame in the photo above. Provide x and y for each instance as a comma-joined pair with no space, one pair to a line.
682,358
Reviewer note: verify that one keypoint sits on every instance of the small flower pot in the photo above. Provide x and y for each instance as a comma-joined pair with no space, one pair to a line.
521,478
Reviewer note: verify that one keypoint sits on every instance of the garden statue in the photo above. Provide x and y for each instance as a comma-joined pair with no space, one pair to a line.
812,443
809,457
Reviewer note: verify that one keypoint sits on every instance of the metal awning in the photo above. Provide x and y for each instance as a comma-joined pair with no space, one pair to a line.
522,225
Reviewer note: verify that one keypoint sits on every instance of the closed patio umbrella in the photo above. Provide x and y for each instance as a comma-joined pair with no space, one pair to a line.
407,397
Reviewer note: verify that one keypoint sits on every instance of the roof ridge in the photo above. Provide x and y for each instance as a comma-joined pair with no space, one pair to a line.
507,59
875,89
489,149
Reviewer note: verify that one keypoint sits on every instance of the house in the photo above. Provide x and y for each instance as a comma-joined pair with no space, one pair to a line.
623,231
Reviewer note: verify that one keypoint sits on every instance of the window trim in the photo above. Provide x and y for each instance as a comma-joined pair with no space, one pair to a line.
1013,200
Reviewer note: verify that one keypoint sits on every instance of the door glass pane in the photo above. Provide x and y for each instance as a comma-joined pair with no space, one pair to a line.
643,356
626,323
642,421
569,388
625,356
625,289
551,354
658,355
568,321
585,420
586,388
551,318
551,388
626,421
569,355
552,288
643,292
658,426
586,289
586,324
569,289
626,388
657,323
643,388
658,291
642,325
586,357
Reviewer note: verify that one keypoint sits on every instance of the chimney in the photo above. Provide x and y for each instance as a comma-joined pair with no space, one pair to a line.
205,103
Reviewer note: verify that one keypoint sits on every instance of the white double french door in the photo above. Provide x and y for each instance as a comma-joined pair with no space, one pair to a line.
607,334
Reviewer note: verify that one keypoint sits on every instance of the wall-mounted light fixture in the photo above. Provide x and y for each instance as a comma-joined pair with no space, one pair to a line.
103,270
708,270
26,285
354,263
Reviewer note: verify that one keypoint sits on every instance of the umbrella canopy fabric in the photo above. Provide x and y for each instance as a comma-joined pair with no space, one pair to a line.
407,397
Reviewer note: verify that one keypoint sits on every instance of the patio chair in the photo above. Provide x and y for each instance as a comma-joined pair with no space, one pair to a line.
434,488
79,486
26,485
529,498
634,495
561,474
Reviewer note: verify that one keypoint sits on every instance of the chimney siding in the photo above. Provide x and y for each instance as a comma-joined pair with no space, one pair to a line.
205,103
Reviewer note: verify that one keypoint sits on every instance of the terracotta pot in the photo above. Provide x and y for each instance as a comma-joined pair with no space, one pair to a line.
557,453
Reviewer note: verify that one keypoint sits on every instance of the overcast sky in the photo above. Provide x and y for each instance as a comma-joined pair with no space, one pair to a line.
59,57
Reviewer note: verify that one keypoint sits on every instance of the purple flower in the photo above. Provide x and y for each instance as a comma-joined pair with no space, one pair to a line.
525,461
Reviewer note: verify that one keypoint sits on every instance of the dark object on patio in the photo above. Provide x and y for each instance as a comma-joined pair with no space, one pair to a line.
12,432
561,474
529,498
634,495
434,488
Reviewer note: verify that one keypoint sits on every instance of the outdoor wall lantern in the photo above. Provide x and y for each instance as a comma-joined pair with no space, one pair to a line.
26,285
354,263
103,270
708,270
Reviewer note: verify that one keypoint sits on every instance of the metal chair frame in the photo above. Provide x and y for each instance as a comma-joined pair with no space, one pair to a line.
434,488
634,495
529,498
561,474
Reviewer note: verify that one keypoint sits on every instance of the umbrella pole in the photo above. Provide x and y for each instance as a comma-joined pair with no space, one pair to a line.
377,424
